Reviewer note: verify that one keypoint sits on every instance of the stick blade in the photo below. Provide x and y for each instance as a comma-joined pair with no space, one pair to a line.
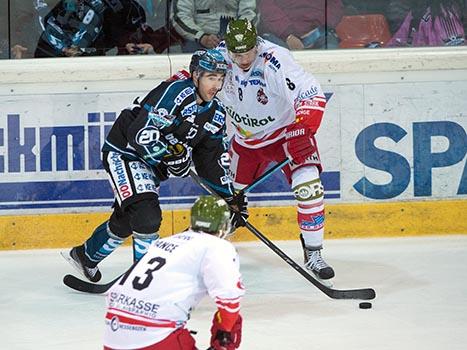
80,285
361,294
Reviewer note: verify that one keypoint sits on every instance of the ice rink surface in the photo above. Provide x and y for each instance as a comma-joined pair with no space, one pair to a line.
421,303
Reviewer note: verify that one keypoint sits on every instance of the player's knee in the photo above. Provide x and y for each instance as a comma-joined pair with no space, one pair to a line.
306,185
145,216
119,224
309,191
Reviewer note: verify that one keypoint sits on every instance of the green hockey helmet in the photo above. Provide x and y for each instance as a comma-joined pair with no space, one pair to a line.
211,215
240,35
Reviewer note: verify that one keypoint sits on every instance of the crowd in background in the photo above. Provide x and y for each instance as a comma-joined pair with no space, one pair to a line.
64,28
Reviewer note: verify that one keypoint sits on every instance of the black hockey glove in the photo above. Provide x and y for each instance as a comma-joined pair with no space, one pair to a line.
238,204
178,162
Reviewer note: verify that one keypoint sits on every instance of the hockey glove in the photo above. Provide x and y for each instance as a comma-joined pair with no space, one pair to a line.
225,340
238,205
299,142
178,162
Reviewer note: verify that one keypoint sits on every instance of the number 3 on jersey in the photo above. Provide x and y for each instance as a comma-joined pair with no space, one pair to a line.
142,282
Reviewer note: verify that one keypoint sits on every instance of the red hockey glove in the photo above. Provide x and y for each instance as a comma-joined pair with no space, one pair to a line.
299,142
225,340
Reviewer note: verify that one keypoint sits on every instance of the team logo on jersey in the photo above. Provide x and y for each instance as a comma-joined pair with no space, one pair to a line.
160,117
261,96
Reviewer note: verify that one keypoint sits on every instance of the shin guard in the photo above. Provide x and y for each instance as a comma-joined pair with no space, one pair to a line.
309,194
141,243
101,243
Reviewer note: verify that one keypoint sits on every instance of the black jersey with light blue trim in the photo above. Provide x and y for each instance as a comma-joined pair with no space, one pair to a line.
168,115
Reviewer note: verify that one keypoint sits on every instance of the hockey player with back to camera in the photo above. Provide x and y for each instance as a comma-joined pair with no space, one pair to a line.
171,279
180,123
276,108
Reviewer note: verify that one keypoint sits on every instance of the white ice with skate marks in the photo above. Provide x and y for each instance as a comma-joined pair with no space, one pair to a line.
420,283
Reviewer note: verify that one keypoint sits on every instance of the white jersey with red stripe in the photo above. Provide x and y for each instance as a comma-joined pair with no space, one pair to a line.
158,295
262,101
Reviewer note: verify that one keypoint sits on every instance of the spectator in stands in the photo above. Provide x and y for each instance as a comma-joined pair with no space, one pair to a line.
92,27
159,31
202,23
427,22
22,28
365,7
300,24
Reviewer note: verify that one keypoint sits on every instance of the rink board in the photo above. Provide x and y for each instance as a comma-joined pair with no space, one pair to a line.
393,140
395,219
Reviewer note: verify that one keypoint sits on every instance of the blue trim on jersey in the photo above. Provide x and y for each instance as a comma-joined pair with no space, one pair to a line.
204,108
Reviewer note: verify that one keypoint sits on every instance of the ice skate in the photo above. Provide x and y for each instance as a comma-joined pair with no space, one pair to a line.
315,263
77,259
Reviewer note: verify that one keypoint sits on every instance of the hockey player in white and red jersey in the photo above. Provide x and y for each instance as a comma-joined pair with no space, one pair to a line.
150,305
276,108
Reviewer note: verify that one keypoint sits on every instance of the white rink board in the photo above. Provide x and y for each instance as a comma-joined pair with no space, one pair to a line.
384,99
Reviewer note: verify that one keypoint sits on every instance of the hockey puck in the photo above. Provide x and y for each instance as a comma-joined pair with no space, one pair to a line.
364,305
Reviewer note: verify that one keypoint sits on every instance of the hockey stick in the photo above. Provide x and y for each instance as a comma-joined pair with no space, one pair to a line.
94,288
88,287
265,175
363,294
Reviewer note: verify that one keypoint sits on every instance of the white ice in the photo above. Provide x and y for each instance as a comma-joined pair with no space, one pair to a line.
421,303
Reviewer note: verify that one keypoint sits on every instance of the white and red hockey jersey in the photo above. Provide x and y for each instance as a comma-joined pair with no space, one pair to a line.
264,100
158,295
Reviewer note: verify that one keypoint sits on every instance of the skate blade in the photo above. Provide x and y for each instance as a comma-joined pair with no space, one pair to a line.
73,263
328,283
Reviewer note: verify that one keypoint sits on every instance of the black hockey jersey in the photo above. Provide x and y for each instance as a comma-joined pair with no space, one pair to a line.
169,115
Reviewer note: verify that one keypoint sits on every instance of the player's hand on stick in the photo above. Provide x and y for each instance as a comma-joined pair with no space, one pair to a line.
178,161
238,205
225,340
299,142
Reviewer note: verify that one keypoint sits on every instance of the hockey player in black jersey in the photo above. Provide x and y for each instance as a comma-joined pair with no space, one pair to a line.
178,124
